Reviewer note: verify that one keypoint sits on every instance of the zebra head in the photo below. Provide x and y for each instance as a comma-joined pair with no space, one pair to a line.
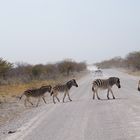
118,83
47,88
139,86
115,80
72,83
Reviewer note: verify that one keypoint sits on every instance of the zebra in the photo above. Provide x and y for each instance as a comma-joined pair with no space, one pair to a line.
63,88
98,72
105,84
139,85
36,93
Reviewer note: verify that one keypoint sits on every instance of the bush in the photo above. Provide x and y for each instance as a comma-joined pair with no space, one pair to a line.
5,67
25,73
133,60
114,62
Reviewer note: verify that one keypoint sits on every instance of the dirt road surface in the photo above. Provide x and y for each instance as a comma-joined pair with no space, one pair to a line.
84,118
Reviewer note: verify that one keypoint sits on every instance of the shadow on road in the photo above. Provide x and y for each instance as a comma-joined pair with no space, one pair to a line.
113,99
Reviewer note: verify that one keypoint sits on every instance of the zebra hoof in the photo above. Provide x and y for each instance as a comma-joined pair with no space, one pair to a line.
99,99
108,98
113,97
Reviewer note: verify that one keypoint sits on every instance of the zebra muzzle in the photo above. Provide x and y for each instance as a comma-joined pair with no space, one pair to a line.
119,86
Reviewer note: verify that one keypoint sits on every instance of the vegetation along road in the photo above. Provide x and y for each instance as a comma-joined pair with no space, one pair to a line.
85,118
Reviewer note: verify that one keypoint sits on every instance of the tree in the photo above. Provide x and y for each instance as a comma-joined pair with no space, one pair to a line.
66,66
37,70
5,66
133,60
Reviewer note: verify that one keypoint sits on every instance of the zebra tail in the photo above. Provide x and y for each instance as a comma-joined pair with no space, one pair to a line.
21,96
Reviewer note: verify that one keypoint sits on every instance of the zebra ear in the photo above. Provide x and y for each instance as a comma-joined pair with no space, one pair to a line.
118,80
74,80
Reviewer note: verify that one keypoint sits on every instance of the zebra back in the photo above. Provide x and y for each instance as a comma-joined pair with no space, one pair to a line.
65,87
60,87
38,91
101,83
106,83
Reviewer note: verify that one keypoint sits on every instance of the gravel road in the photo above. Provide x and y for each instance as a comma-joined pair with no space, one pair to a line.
84,118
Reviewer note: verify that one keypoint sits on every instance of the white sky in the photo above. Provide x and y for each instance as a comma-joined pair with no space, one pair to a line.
42,31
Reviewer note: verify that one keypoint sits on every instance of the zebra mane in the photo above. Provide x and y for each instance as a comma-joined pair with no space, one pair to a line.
69,83
112,80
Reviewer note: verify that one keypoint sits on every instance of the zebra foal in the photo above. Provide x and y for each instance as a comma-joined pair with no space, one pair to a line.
63,88
36,93
103,84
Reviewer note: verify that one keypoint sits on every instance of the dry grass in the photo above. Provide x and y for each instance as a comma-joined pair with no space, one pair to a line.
7,91
136,73
11,107
14,90
131,72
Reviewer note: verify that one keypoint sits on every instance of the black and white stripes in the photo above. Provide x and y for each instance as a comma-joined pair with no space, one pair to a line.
97,84
36,93
63,88
105,84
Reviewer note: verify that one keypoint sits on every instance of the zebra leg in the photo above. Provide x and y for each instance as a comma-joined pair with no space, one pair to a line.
112,93
69,96
44,100
57,99
108,94
97,95
38,101
29,100
25,102
64,97
93,95
93,92
53,100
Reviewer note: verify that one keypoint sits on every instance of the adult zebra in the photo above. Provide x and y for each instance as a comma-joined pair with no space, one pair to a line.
105,84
